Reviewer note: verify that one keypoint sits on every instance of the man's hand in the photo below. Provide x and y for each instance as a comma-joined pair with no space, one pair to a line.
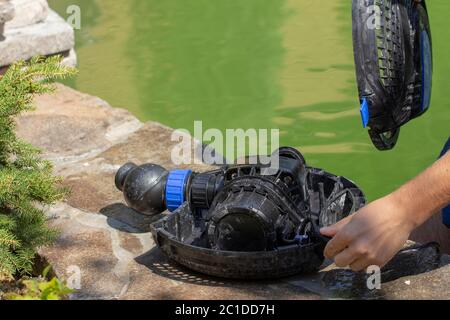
372,236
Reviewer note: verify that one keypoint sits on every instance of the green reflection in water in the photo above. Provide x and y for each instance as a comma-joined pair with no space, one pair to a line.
215,61
284,64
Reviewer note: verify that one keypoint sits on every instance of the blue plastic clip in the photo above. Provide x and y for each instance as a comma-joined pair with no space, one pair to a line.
364,112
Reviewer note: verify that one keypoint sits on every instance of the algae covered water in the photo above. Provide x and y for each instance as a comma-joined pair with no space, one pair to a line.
284,64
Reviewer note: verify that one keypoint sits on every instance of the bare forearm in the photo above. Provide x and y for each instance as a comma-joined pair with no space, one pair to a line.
426,194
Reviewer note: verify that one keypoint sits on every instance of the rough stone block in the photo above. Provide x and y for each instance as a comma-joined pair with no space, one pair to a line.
6,11
28,12
50,37
6,14
70,59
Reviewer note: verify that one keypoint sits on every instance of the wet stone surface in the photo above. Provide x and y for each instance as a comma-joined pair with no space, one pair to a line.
412,260
111,246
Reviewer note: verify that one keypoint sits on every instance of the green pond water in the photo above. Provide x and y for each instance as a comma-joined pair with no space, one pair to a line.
284,64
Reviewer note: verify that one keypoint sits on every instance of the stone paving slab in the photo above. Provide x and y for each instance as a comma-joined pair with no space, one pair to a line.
71,126
111,244
118,261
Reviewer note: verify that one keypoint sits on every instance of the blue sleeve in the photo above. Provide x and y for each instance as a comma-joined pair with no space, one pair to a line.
446,148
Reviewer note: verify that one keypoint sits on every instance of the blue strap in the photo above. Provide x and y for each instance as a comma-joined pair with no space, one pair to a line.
364,110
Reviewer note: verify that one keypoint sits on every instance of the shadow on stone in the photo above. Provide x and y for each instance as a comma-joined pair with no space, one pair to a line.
158,263
123,218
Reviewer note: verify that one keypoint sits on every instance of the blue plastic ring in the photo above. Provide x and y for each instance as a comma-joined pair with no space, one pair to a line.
175,188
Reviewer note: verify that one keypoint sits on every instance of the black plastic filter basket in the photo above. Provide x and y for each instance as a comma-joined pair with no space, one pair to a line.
182,235
175,235
393,57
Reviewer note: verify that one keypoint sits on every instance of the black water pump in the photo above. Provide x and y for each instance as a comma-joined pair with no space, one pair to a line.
242,221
